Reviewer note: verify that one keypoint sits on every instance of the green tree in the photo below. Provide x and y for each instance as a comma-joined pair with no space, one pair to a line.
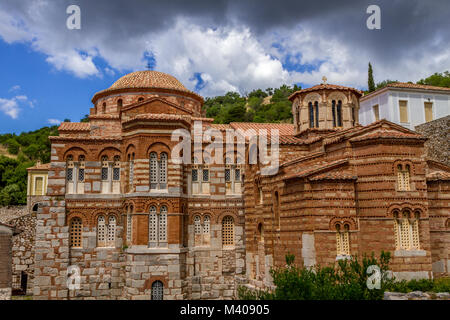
13,146
437,79
370,81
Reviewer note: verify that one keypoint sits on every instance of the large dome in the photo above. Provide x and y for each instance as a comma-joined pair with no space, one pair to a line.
146,80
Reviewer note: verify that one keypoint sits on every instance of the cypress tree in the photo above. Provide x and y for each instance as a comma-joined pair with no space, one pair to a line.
370,82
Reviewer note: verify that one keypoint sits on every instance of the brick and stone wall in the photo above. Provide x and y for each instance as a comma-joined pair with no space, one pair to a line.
5,262
438,133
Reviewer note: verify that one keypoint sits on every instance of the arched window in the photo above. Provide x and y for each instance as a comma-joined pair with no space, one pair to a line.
104,107
35,207
197,225
353,116
403,180
105,168
406,230
116,168
119,102
228,231
81,166
276,209
260,232
163,171
333,110
206,224
339,113
162,224
311,115
130,171
111,231
316,109
101,231
157,290
129,210
153,170
70,166
342,240
76,231
153,226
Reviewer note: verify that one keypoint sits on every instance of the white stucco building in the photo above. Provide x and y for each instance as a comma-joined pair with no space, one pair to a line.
406,104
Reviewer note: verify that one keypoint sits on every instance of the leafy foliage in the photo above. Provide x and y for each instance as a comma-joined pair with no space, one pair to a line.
437,79
254,107
345,281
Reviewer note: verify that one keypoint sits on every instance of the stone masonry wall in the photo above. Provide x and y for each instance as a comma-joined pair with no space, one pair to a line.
438,133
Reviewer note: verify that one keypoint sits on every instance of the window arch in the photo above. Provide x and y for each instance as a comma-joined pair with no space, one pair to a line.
227,231
339,113
206,224
101,231
197,225
157,290
76,231
403,177
342,239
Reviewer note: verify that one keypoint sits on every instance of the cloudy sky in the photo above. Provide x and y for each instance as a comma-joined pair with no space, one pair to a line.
49,73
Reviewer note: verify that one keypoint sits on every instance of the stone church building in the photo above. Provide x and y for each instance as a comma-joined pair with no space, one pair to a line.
122,220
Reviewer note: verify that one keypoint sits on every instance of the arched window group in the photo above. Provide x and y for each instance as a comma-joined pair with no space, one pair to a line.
75,232
157,227
406,229
233,179
158,171
403,175
227,231
200,179
343,239
110,174
336,109
313,109
75,174
106,231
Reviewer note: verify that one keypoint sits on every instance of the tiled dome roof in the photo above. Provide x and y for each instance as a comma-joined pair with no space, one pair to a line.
147,80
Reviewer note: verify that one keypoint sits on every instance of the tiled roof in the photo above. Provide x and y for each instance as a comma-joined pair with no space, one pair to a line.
387,134
345,175
325,87
220,126
148,79
438,175
405,85
157,116
74,126
285,129
45,166
316,168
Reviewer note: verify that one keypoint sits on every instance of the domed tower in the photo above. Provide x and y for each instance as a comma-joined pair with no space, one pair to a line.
324,108
139,86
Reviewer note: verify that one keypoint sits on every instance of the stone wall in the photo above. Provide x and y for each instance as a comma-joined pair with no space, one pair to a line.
5,262
438,133
12,212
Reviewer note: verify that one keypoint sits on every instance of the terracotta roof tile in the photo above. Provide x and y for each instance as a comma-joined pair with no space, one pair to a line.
74,126
157,116
285,129
315,168
438,175
405,85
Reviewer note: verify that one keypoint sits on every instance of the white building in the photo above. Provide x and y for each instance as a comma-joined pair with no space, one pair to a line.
406,104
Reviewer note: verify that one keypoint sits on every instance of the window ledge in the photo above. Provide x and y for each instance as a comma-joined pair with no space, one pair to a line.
410,253
343,257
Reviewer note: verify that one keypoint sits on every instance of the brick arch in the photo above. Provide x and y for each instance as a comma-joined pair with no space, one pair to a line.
220,217
129,203
403,163
84,219
148,283
400,207
110,152
130,148
336,95
158,147
158,206
106,213
75,152
311,97
202,216
341,221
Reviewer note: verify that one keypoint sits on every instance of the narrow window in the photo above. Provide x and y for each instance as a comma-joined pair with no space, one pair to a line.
111,231
101,231
76,230
228,231
39,186
105,167
194,175
129,223
130,171
163,171
205,175
403,179
104,107
428,111
140,99
70,166
316,108
157,290
415,231
311,115
261,233
276,208
153,227
197,225
116,168
339,113
333,110
153,170
227,175
206,224
81,166
353,116
403,106
119,102
162,224
376,112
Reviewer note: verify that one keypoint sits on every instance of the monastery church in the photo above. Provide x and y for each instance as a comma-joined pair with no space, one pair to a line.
125,221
